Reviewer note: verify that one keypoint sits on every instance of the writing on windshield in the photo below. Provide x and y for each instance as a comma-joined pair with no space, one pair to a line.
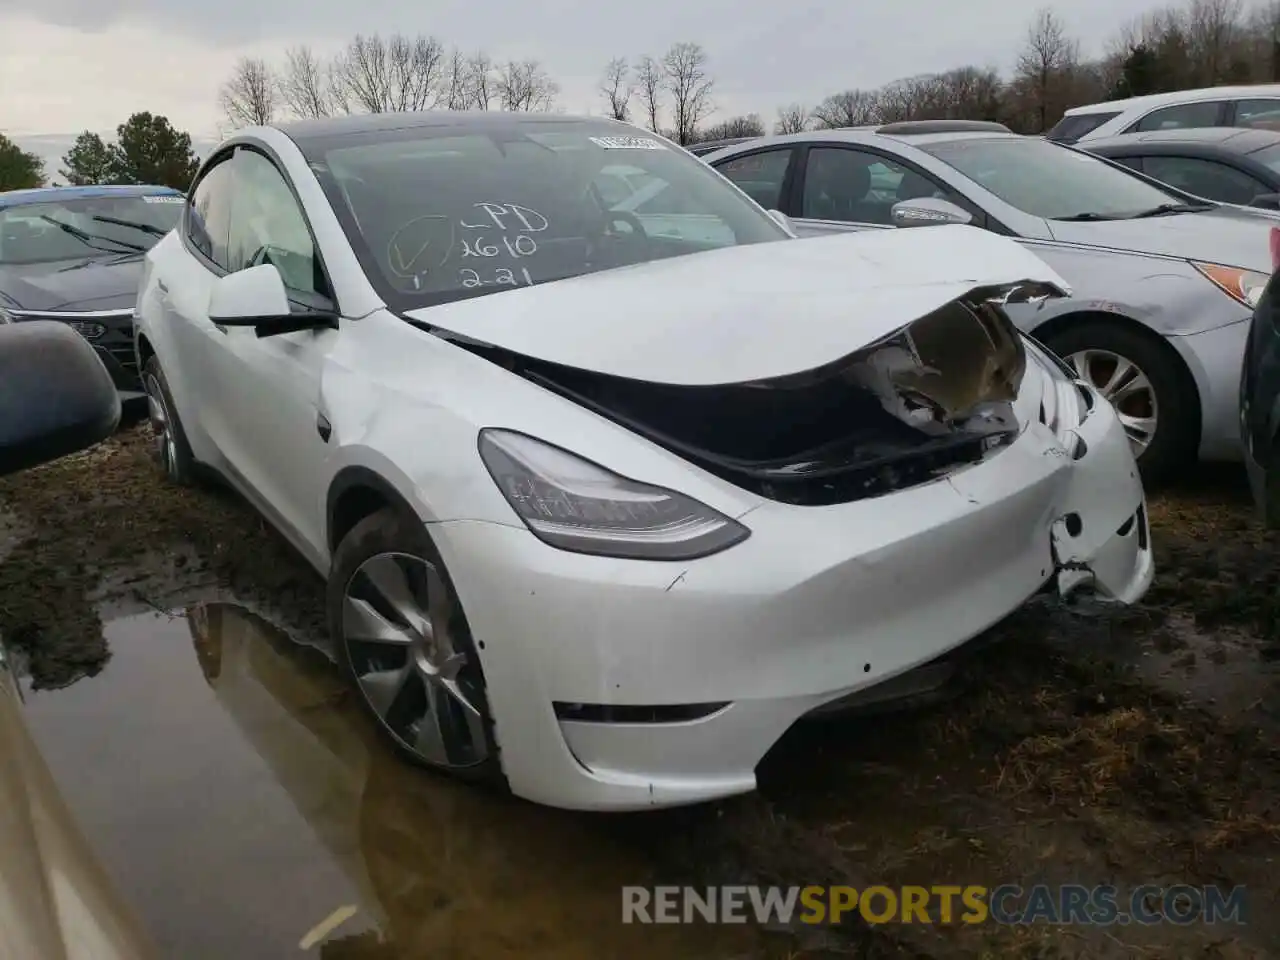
447,215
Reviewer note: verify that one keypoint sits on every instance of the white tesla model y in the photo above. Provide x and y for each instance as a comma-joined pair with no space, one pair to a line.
611,478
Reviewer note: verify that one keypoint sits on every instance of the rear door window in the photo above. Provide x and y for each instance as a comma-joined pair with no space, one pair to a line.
1207,113
760,175
1261,114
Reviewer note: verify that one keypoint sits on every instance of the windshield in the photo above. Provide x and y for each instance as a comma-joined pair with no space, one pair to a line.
437,215
1051,181
50,230
1071,129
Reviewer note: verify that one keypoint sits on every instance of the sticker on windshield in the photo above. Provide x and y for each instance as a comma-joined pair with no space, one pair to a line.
163,199
626,143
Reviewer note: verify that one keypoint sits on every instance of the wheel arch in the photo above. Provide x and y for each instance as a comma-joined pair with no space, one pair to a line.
358,492
1065,321
144,350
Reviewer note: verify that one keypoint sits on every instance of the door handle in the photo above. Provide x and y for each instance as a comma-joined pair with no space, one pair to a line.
161,285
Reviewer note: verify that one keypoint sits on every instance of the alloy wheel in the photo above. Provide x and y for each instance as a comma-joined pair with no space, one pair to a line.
1127,387
161,425
397,625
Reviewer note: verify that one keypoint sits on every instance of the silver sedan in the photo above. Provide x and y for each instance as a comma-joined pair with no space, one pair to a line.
1164,283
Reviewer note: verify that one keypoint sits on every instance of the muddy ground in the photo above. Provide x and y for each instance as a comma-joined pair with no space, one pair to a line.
1079,747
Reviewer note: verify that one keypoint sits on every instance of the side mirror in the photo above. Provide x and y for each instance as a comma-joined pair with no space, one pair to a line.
1266,201
256,297
56,397
782,220
927,212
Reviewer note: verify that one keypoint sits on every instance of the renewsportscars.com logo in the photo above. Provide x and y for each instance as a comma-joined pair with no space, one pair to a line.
942,903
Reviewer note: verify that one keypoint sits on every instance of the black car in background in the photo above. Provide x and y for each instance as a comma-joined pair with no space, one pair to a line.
1226,164
74,254
1260,397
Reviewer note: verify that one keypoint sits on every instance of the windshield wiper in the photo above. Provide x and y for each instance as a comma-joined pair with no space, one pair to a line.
1087,217
88,238
144,227
1167,208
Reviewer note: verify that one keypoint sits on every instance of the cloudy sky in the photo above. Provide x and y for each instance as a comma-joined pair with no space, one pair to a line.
70,65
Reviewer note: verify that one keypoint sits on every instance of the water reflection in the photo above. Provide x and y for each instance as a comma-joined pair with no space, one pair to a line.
244,804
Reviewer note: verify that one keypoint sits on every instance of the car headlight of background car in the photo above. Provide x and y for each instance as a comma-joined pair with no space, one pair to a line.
573,504
1245,286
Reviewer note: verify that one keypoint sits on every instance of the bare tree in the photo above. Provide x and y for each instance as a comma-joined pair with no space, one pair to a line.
649,81
1213,29
920,97
525,86
248,99
303,84
852,108
1046,67
480,81
617,88
793,118
685,71
398,73
749,125
455,91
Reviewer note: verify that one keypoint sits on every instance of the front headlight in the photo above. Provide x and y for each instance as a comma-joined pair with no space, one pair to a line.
1244,286
573,504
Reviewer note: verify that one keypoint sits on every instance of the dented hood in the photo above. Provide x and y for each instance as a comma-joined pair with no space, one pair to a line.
743,313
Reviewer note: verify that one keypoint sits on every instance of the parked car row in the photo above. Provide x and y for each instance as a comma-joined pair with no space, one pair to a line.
1163,282
554,408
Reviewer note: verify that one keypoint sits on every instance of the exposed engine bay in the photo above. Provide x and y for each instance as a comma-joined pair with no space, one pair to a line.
933,396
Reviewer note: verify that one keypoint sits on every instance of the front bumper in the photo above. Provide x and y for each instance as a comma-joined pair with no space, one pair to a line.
818,604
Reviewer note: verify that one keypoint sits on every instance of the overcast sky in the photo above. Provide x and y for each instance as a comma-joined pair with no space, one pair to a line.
70,65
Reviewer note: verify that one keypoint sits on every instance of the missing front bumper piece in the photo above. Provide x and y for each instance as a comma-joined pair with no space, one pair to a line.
932,397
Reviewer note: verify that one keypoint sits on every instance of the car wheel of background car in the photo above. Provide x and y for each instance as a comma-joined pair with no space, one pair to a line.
1140,377
404,640
172,449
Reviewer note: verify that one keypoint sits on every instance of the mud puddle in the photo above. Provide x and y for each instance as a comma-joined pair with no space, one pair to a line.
241,802
1122,750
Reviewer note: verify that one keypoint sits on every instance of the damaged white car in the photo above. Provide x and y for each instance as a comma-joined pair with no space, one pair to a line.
610,492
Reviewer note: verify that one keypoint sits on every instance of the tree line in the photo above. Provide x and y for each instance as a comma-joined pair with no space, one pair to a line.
1197,44
377,74
146,149
1200,43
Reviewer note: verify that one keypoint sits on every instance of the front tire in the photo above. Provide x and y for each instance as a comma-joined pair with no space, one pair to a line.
171,448
404,643
1141,377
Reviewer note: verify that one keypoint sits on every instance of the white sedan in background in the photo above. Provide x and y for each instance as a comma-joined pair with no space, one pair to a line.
605,505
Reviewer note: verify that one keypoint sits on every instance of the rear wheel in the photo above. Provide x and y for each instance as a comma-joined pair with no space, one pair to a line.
404,641
1143,380
171,447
